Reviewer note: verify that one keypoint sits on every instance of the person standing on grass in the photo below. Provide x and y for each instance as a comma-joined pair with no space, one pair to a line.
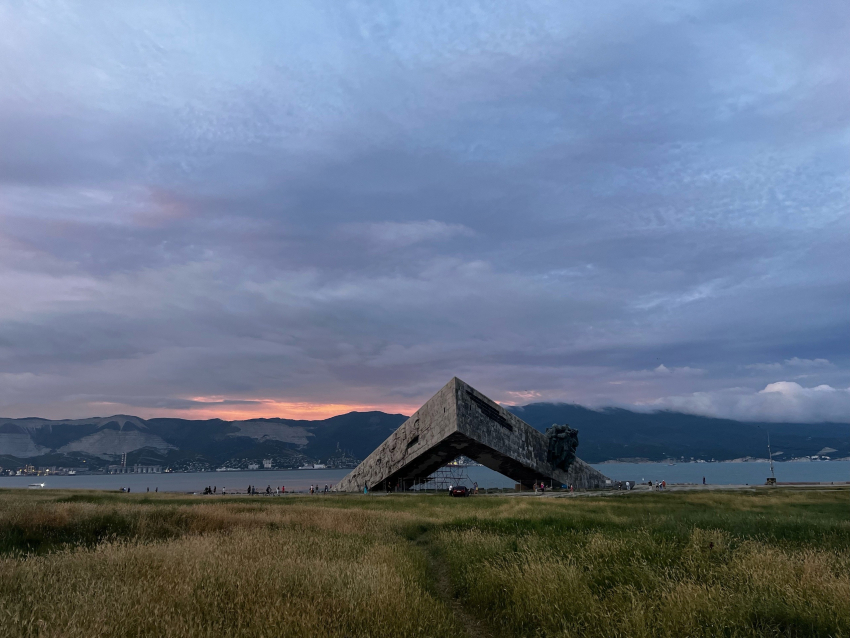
703,480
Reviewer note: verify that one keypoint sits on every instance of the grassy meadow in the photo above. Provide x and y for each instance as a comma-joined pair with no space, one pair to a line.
753,563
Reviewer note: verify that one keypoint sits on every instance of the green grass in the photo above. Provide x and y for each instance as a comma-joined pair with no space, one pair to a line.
756,563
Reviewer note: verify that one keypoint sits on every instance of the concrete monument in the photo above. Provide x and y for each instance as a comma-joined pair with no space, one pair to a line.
459,420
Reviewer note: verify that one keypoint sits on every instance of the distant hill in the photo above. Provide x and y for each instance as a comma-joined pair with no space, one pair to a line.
614,433
604,435
192,444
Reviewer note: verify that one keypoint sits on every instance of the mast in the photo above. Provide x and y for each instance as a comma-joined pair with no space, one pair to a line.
770,454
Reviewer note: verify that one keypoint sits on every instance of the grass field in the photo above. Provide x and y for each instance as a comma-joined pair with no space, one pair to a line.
757,563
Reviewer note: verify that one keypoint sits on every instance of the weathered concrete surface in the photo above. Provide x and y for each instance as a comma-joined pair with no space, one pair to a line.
456,421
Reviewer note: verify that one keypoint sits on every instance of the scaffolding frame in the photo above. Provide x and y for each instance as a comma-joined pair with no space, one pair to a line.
447,476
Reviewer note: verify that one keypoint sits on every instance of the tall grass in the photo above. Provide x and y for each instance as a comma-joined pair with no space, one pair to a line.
763,563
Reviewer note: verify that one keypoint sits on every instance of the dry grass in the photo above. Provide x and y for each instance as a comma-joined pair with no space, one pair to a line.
754,564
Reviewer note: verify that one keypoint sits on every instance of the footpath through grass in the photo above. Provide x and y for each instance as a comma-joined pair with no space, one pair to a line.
760,563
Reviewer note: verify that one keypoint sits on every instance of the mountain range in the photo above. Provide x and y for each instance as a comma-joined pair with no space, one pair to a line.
184,444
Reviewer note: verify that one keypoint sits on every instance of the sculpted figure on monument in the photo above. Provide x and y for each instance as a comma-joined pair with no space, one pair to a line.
563,441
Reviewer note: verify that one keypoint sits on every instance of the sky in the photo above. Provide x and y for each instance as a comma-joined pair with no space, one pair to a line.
301,209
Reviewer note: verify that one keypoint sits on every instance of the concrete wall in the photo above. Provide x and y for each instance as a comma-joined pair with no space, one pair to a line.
460,420
429,426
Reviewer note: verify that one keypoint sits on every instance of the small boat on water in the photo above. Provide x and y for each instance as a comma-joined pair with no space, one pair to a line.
35,486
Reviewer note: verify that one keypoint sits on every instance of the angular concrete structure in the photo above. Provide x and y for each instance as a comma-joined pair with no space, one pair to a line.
456,421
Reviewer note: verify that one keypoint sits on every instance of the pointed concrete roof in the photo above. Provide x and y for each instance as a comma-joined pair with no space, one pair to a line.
456,421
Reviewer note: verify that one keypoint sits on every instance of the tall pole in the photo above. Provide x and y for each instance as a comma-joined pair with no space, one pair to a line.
770,454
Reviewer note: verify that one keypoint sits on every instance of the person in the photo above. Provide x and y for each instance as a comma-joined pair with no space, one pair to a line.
223,490
283,489
703,480
475,487
571,488
249,490
214,489
149,489
311,488
128,490
366,487
542,488
663,485
268,490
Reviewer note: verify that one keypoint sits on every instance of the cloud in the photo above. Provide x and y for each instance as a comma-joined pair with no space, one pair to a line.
664,371
794,362
324,206
402,234
785,401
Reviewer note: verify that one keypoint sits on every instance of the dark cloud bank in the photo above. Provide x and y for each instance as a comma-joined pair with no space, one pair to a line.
635,204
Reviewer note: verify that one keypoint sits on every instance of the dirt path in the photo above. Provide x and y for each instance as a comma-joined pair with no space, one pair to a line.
442,584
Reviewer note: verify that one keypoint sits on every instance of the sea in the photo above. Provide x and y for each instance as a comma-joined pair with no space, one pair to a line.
731,473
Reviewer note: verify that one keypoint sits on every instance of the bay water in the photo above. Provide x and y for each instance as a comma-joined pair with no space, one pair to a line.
732,473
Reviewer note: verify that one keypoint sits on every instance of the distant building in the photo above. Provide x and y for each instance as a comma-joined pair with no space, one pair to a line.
123,459
253,466
267,464
135,469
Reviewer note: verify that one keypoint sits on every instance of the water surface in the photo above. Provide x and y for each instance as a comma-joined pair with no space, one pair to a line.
300,480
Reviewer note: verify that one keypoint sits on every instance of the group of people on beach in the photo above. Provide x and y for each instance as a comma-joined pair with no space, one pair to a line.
269,491
253,491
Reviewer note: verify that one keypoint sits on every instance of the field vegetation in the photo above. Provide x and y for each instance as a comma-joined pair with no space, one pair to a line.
756,563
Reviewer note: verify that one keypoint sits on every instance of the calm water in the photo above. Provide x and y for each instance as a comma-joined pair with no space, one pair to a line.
300,480
728,473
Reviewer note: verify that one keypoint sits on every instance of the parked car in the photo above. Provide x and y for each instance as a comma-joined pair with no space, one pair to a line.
459,490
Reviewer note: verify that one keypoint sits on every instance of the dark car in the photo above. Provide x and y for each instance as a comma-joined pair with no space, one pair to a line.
459,490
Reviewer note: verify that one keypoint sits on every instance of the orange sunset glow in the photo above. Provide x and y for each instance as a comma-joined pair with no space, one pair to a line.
215,407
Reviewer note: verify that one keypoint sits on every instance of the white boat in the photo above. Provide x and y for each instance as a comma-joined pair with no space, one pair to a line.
35,486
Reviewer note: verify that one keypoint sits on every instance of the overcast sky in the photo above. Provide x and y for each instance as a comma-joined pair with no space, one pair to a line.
300,209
